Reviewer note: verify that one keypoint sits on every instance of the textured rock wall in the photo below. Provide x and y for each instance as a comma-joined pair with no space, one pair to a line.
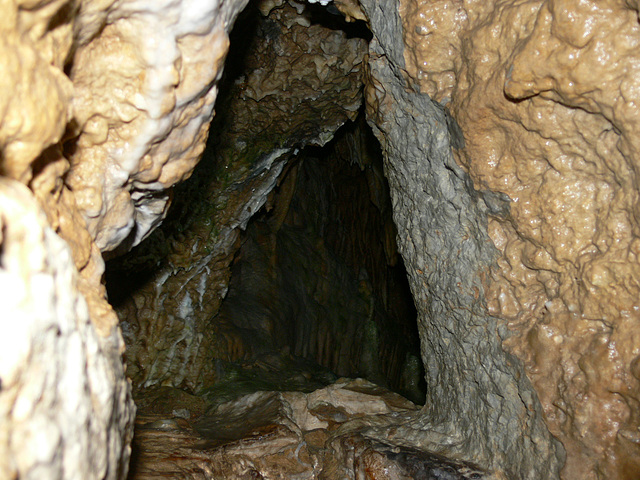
104,105
294,84
318,273
523,253
546,93
64,401
479,402
144,94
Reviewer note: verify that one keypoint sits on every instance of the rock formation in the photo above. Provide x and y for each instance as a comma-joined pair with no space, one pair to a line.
544,94
323,435
274,110
102,112
506,131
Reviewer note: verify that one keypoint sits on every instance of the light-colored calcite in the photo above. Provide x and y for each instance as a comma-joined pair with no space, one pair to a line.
64,401
105,106
136,119
144,95
34,105
547,95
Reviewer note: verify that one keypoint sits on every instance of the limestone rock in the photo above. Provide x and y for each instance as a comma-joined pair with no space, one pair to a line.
522,246
66,404
294,85
144,94
283,435
479,402
64,401
550,122
36,93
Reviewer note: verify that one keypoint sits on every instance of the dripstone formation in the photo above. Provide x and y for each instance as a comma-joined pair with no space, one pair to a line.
438,195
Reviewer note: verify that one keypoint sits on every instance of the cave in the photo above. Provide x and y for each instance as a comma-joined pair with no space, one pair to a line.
299,279
320,239
314,289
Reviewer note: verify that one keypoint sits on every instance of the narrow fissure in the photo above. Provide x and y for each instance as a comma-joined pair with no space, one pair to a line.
319,276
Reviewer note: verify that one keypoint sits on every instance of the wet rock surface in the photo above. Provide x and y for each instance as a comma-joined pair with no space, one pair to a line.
143,100
521,247
479,402
550,123
293,85
285,435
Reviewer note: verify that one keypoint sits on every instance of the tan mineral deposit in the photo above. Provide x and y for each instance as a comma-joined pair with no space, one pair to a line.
546,94
411,191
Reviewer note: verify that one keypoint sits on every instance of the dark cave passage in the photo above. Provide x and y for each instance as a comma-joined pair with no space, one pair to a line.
313,280
316,284
276,271
319,275
317,291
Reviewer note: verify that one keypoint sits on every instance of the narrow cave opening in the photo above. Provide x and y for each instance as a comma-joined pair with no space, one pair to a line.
317,288
319,276
310,278
277,267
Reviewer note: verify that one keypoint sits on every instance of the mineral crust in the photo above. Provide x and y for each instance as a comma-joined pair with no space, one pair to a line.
546,93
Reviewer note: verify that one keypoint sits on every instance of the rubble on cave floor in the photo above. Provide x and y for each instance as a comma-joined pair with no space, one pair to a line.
346,430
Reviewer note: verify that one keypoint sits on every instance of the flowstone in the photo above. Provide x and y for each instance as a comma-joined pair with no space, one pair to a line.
322,435
479,402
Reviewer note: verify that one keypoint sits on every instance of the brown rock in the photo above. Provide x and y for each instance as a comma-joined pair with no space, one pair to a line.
543,93
283,435
300,83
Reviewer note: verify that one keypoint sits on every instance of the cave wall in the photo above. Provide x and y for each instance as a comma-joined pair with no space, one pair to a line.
479,402
545,93
521,245
104,106
272,110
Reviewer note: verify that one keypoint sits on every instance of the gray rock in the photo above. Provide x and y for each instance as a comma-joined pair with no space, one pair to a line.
479,402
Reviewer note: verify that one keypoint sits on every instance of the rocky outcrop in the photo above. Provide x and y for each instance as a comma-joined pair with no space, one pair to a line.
144,91
545,93
65,403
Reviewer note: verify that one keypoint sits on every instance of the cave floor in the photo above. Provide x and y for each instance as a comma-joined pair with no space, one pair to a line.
282,418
